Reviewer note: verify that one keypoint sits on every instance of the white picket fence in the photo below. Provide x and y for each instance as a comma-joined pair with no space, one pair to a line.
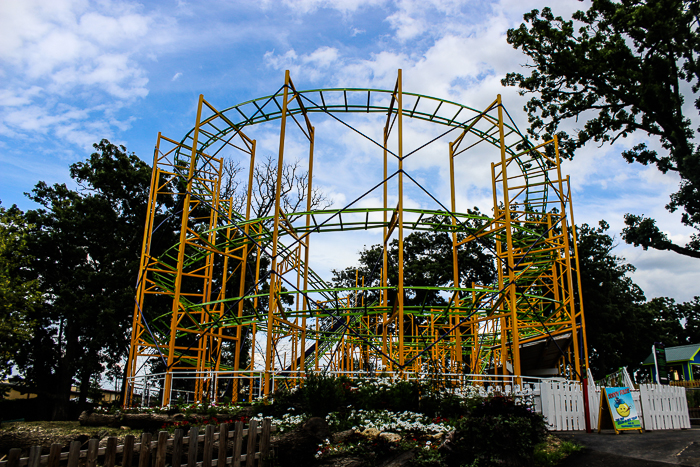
664,407
561,403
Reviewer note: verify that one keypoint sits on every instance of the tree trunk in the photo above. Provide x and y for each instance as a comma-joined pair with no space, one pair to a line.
66,369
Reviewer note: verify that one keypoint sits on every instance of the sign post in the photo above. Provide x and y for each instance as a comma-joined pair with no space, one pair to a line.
623,413
659,352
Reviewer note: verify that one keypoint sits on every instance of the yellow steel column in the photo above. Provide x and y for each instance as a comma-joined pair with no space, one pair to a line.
244,264
254,334
274,280
455,257
307,241
578,275
400,290
136,327
207,339
181,257
500,269
515,352
570,286
385,252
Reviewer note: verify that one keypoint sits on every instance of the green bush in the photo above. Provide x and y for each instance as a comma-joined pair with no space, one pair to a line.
498,432
321,394
397,397
693,396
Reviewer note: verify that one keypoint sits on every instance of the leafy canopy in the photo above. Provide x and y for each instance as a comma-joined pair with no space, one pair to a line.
18,295
627,68
85,247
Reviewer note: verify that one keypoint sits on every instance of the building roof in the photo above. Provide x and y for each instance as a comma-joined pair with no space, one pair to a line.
679,353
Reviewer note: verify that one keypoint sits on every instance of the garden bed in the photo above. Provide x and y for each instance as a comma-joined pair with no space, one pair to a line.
336,421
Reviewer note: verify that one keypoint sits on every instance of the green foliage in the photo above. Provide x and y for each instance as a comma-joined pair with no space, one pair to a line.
622,68
428,458
85,246
18,295
612,303
498,432
397,397
322,394
318,396
620,325
427,263
692,395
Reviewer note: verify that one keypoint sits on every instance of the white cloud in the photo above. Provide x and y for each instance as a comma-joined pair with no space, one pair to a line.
312,66
309,6
78,52
176,76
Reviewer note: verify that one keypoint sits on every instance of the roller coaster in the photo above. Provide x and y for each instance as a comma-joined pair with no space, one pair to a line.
233,307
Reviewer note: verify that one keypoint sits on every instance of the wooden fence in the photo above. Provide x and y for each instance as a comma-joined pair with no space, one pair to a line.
151,453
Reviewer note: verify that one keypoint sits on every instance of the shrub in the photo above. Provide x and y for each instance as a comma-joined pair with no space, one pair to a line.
382,395
498,432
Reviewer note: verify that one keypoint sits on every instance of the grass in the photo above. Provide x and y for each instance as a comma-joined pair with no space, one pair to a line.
553,451
68,428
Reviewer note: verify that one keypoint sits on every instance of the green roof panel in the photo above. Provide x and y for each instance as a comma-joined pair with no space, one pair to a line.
679,353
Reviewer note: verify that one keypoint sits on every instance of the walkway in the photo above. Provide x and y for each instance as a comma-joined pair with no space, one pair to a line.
648,449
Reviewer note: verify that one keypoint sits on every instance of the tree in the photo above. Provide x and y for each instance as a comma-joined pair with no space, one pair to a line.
611,301
293,192
690,313
427,263
620,325
18,296
631,64
86,249
293,195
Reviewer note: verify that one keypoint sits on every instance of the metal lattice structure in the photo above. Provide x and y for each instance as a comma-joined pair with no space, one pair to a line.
230,278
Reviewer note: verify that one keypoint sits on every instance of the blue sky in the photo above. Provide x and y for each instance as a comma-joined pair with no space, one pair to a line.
74,72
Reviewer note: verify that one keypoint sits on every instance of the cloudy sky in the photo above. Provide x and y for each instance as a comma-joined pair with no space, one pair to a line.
73,72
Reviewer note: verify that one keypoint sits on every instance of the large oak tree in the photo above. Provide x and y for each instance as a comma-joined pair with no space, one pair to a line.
621,67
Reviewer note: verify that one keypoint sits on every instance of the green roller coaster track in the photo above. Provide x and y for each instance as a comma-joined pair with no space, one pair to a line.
481,301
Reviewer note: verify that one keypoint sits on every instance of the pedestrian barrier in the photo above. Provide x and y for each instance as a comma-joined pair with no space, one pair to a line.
664,407
214,453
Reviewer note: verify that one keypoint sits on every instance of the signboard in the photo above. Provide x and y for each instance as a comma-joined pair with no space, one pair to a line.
659,351
623,413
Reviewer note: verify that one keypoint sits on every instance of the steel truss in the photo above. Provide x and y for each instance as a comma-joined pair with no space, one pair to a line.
208,292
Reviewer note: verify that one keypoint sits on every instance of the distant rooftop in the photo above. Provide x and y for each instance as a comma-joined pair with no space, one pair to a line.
679,353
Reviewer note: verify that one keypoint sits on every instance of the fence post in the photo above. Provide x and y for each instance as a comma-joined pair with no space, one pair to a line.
177,448
252,437
237,444
161,449
74,454
34,456
223,441
13,457
93,446
145,451
208,446
128,453
265,443
192,449
111,452
55,456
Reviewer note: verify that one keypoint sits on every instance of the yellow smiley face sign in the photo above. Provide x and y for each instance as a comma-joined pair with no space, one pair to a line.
623,409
